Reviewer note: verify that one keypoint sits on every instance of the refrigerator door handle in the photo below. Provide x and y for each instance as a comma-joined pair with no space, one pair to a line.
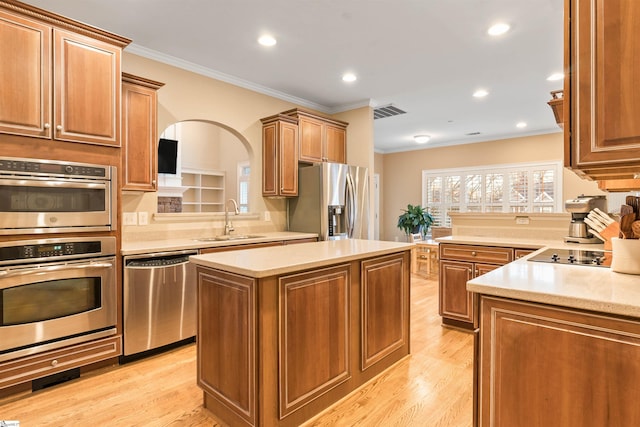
350,206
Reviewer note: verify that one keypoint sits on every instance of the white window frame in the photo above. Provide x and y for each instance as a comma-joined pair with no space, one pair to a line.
441,210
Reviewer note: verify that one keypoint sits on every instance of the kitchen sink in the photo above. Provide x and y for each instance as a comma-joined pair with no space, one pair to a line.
229,237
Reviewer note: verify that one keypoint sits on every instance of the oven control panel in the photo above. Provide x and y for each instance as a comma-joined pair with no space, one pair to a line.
54,249
51,167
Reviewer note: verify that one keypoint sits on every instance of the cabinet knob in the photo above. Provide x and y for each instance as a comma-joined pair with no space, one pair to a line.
54,363
59,127
47,125
474,253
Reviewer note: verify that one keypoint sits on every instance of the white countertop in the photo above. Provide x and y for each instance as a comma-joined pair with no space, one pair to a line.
273,261
168,245
518,242
583,287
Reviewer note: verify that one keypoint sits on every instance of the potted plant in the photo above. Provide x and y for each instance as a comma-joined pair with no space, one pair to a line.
415,219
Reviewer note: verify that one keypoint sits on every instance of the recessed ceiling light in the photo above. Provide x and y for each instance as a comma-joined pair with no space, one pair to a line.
421,139
555,76
267,40
480,93
498,29
349,77
521,125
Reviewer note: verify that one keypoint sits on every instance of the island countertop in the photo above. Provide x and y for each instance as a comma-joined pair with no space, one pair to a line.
583,287
272,261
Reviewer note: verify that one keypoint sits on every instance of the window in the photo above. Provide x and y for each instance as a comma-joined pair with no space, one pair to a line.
244,172
517,188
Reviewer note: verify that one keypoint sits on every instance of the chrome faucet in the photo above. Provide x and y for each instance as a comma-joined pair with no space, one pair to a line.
228,225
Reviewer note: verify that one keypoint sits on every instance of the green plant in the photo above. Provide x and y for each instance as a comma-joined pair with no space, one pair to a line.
415,219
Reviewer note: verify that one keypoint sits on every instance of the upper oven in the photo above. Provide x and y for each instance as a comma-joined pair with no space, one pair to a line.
48,196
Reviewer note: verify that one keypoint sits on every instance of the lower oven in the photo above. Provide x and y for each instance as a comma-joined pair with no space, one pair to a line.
56,292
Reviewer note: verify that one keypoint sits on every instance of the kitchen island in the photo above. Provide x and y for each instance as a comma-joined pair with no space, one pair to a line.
285,332
557,345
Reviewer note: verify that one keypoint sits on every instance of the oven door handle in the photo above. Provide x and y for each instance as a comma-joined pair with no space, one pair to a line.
15,273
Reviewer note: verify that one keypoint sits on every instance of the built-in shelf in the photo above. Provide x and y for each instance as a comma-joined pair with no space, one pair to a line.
204,190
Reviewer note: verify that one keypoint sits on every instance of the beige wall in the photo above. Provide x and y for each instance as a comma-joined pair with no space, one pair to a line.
186,96
401,180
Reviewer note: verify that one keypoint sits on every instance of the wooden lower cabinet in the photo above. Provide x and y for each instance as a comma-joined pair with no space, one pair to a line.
41,365
545,366
460,263
278,350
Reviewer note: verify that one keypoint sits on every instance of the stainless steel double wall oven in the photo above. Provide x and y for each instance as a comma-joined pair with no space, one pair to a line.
58,283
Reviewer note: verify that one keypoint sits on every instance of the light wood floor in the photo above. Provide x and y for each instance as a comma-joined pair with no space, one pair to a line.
431,388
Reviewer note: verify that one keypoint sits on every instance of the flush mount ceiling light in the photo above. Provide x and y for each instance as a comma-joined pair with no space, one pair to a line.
421,139
349,77
521,125
498,29
555,77
267,40
480,93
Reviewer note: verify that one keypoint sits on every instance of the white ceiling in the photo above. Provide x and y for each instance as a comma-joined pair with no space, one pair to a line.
426,57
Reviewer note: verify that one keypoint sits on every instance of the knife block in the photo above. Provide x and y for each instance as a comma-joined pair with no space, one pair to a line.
612,231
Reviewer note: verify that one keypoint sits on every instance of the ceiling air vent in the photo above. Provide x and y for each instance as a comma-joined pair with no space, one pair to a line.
387,111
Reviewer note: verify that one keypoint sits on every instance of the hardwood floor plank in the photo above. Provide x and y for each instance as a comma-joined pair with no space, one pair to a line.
432,387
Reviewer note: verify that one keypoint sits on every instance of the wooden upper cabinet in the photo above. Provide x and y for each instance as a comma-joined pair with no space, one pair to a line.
139,133
321,139
25,104
86,90
279,156
63,79
602,49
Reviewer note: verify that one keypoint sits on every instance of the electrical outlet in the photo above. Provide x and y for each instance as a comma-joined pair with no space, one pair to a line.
267,216
143,218
522,220
130,218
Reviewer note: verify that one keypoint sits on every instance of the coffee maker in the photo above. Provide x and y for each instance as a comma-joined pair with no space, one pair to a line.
580,208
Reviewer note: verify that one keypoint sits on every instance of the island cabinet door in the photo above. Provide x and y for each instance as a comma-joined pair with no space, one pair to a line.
550,366
315,324
226,345
455,301
385,309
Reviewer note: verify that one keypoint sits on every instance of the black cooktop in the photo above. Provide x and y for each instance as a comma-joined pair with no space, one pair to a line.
593,258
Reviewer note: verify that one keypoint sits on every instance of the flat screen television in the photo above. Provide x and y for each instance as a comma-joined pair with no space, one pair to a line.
167,155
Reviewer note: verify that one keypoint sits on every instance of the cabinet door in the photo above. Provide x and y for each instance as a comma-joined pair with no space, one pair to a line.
140,153
86,90
288,154
456,302
270,159
336,144
605,94
553,366
311,139
25,103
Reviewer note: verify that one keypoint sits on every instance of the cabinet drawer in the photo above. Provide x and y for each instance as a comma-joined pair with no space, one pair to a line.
519,253
28,368
488,254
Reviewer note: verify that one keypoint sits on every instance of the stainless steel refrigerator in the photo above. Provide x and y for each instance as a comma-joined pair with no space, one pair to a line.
333,201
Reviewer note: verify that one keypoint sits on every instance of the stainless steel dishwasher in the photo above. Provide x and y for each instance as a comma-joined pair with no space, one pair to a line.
159,300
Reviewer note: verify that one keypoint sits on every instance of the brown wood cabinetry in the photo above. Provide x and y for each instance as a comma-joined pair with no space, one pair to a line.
602,46
63,79
275,351
459,264
279,156
556,366
321,139
28,368
139,133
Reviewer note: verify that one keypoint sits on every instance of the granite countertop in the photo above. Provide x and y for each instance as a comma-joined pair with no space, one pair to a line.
168,245
583,287
273,261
